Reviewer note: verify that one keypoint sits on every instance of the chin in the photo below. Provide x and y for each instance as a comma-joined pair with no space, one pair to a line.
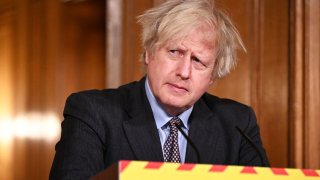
179,105
175,102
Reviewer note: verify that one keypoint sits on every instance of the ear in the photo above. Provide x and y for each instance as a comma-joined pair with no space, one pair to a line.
146,57
212,80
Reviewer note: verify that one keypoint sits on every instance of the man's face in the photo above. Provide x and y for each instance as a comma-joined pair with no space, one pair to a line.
180,71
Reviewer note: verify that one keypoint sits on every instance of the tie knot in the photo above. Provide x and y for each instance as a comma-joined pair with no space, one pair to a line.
174,122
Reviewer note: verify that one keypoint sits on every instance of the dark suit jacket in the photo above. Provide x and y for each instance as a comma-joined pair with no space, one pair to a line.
102,127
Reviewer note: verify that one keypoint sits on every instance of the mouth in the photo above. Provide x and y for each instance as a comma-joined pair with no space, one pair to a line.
178,88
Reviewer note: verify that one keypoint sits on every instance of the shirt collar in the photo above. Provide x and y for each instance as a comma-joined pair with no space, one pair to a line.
160,115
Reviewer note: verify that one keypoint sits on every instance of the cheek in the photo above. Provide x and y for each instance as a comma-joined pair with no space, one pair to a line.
163,67
202,82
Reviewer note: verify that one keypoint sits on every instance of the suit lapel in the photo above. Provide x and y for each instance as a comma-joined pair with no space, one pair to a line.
140,128
204,133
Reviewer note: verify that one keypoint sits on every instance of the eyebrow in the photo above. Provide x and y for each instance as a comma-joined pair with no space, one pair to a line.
182,48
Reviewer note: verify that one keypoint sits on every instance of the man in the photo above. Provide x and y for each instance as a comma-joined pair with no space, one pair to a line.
188,46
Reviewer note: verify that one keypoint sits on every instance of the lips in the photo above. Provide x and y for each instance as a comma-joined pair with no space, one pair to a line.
178,88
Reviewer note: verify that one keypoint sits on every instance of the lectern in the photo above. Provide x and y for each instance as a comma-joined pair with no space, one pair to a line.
143,170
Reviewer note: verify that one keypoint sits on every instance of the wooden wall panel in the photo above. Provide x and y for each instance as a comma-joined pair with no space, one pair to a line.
305,84
114,43
6,53
273,86
237,84
312,65
261,77
83,45
132,68
50,49
296,99
6,86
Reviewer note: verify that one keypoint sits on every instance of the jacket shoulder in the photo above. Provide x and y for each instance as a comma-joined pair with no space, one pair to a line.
96,96
222,103
103,96
229,110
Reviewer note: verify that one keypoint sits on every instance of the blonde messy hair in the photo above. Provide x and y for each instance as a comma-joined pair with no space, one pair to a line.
175,18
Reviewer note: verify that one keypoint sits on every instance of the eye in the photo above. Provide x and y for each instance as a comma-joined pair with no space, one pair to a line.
174,52
195,59
198,63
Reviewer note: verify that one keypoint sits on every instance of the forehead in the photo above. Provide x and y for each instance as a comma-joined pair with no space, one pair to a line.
202,35
201,39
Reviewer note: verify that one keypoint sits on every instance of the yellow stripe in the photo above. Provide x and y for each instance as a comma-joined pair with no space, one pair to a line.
136,170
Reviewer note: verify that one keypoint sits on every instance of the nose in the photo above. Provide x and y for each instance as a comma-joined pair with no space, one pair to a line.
184,68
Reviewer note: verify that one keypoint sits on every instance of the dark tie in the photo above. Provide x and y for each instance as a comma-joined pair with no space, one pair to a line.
171,146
